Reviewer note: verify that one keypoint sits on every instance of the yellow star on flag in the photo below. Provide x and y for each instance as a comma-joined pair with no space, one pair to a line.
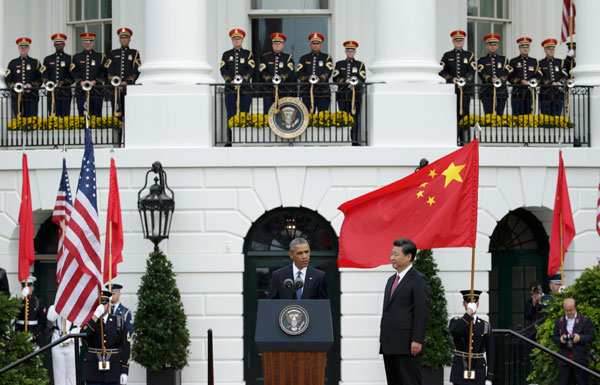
431,201
453,173
432,173
424,184
420,194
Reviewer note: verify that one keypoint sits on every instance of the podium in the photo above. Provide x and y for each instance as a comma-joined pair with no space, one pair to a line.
294,337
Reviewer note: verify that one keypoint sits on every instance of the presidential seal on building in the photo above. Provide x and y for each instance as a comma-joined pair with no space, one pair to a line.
294,320
289,118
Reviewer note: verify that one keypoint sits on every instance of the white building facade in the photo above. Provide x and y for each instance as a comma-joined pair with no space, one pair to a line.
223,195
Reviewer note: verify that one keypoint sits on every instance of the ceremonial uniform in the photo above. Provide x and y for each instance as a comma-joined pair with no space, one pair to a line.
482,359
525,68
123,63
34,308
116,345
280,64
349,98
459,63
320,65
237,62
489,68
27,71
63,355
117,307
57,71
552,70
89,65
570,59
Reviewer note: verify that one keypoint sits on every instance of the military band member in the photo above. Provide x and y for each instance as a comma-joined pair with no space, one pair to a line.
57,71
278,63
116,347
319,65
493,67
459,64
27,72
123,63
482,358
553,74
117,308
33,312
570,59
345,71
525,69
88,65
63,355
237,61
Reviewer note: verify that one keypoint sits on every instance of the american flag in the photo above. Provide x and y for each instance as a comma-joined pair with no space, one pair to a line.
77,294
61,215
567,12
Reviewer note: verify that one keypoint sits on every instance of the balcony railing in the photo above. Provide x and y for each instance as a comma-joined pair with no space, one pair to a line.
542,116
332,120
39,118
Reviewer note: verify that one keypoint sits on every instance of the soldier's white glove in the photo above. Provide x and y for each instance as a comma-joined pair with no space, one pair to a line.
472,306
571,53
123,380
488,382
99,311
25,291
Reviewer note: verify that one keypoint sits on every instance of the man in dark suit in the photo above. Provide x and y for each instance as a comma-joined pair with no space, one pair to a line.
405,311
4,282
315,280
571,333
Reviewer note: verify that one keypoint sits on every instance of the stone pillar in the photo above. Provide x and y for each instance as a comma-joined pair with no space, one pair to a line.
3,63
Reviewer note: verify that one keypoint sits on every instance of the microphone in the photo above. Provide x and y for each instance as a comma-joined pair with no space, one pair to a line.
298,284
289,283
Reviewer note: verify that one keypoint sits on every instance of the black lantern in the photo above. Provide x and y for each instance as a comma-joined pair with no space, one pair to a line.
290,227
156,208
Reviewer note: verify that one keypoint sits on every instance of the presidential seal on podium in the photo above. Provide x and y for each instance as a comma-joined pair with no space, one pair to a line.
294,320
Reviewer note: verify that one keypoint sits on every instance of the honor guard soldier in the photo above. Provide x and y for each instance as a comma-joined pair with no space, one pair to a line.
117,307
63,355
32,316
458,67
570,59
57,75
553,74
315,67
351,74
122,66
22,74
88,70
113,366
493,71
482,349
525,69
277,63
237,64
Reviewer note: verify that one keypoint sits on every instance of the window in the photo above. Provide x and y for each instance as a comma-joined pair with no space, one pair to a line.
92,16
275,5
483,17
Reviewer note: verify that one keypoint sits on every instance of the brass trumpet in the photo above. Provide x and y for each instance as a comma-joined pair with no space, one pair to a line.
238,79
19,87
570,83
115,81
533,83
353,81
497,83
461,82
50,86
86,85
313,79
276,79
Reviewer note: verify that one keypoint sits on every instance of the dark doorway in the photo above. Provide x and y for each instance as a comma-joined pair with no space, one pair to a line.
266,250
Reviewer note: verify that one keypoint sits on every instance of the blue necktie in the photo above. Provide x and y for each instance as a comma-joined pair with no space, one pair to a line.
299,291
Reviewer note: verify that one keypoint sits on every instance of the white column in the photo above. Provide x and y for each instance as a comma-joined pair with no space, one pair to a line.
176,43
405,41
3,64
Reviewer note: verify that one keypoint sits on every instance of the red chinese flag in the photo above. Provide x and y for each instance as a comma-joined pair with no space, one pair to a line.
434,207
563,217
114,223
26,250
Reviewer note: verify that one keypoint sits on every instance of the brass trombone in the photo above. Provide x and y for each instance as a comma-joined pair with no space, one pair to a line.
50,86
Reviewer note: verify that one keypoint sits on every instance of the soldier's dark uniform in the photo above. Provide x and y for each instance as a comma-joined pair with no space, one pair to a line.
281,64
569,60
89,65
36,314
237,62
459,64
524,68
552,70
123,62
116,344
482,361
24,70
321,65
57,71
345,70
490,67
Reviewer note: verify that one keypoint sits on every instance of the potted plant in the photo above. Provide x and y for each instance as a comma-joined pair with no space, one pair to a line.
438,346
161,338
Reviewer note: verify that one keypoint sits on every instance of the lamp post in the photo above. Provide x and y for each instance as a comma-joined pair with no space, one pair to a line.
290,227
156,208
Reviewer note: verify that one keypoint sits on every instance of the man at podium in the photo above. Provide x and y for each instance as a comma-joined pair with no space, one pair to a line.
298,280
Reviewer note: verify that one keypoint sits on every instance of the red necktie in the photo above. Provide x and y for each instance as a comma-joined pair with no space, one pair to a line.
395,285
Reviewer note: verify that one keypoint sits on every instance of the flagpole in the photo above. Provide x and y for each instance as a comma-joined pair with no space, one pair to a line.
571,31
110,258
471,323
102,327
562,252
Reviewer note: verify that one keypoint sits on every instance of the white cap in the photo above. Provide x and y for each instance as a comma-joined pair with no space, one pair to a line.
30,279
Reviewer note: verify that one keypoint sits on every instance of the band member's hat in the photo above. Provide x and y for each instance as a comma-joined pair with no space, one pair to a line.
87,37
467,295
58,38
573,47
555,279
549,43
458,34
236,32
124,32
316,37
491,38
351,44
23,42
30,280
524,41
278,37
105,297
115,287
